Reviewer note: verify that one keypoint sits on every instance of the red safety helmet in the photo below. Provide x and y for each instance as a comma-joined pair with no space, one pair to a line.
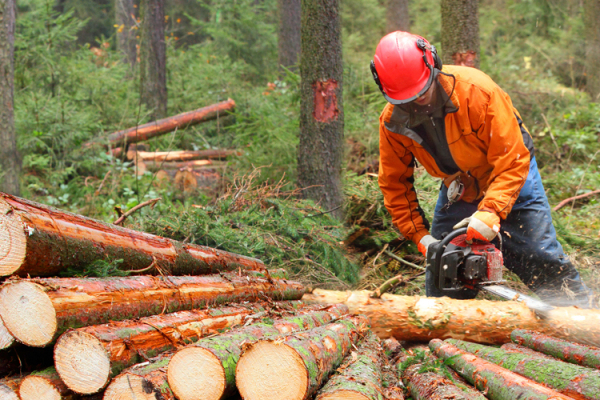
403,66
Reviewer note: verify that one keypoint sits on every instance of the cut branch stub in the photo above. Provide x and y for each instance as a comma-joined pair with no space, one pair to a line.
294,366
36,311
208,366
37,240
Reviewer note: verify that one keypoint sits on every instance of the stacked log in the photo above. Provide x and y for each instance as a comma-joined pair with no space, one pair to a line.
44,385
9,388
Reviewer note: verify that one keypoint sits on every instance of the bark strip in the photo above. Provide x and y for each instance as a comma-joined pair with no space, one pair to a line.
572,380
574,353
359,376
36,311
37,240
498,383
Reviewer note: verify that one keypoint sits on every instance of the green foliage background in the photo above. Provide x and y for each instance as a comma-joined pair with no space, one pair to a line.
71,86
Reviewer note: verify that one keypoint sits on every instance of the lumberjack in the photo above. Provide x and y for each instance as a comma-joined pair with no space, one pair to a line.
463,128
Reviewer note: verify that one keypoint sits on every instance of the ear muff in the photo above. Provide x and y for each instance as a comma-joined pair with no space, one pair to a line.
375,76
437,61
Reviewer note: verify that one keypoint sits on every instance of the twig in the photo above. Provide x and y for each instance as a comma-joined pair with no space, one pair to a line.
552,137
150,202
387,285
324,212
97,192
149,267
395,257
322,268
578,197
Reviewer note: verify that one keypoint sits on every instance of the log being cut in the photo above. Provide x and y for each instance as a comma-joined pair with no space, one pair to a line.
415,318
156,128
36,311
44,385
294,366
140,380
37,240
498,383
360,375
208,366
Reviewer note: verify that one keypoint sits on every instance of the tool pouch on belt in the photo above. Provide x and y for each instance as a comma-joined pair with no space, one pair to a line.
465,187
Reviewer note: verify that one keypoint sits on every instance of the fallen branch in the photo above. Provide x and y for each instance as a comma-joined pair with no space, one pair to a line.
570,199
150,203
387,285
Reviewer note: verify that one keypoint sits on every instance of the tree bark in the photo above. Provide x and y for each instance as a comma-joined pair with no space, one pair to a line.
36,311
567,351
152,129
10,161
571,380
295,365
398,17
360,375
118,345
9,388
432,386
516,348
181,155
42,241
145,381
289,32
218,356
591,17
126,20
460,33
46,384
321,144
498,383
153,58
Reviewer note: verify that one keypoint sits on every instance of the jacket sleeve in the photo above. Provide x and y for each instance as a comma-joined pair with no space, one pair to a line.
396,167
506,153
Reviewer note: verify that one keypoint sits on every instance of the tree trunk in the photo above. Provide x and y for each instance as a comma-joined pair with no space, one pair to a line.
321,145
570,352
460,38
516,348
289,32
152,129
118,345
398,18
498,383
591,18
218,356
571,380
36,311
126,20
181,155
153,58
10,162
45,385
9,388
295,366
145,381
42,241
360,376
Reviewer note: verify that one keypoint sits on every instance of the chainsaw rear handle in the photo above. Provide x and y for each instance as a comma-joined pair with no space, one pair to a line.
444,242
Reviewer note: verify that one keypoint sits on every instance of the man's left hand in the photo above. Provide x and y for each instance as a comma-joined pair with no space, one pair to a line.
483,225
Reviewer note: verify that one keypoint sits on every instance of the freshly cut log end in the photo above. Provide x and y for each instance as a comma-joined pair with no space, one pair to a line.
130,387
12,240
196,370
344,395
271,370
82,362
28,313
6,393
38,388
6,339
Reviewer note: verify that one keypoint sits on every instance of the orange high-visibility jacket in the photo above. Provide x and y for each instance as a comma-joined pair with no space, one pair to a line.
487,141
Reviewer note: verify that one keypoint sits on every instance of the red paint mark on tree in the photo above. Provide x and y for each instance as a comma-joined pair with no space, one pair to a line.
326,107
466,59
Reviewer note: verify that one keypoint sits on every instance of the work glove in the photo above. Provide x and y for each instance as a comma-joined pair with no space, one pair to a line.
483,225
424,244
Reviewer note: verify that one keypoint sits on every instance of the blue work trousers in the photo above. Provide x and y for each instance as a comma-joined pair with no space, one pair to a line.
529,245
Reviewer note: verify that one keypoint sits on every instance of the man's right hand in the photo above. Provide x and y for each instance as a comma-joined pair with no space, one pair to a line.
424,244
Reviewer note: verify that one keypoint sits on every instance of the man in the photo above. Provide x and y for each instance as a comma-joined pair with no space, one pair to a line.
463,128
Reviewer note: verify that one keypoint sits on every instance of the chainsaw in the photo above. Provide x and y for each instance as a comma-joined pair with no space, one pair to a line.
457,265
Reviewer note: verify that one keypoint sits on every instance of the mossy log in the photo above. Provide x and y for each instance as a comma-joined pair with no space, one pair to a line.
37,240
144,381
180,155
156,128
88,357
432,386
517,348
209,365
574,353
45,385
9,388
294,366
496,382
360,375
36,311
572,380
